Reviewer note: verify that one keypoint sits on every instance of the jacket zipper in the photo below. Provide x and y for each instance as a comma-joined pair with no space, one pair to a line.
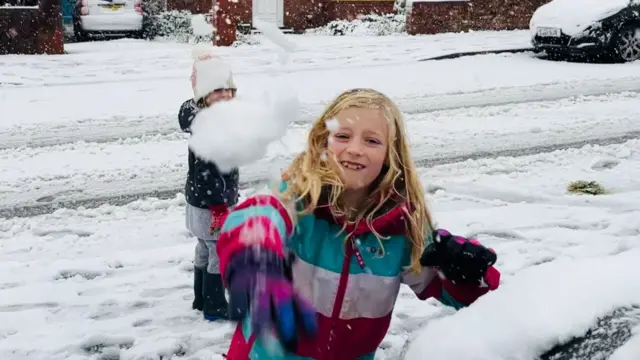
352,248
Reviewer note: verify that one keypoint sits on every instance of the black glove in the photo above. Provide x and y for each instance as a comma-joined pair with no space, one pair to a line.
461,260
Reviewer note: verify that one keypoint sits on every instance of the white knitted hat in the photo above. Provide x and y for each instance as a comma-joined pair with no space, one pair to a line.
209,73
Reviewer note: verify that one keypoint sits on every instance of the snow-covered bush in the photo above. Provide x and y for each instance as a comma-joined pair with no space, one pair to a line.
586,187
245,39
376,25
174,25
178,26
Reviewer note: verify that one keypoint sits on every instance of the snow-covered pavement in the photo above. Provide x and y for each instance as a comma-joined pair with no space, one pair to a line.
98,127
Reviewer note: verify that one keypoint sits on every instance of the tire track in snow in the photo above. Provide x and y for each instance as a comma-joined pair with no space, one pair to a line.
112,129
50,204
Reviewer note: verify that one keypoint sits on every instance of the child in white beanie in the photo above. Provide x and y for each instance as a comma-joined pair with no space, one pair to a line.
209,192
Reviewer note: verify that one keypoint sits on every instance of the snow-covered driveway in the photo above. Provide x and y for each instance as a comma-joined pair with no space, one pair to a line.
498,139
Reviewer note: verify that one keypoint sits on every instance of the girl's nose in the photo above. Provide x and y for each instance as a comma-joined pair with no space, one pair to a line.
355,148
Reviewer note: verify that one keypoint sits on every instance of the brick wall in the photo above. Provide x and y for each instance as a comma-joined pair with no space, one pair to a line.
32,30
300,15
194,6
243,11
350,9
453,16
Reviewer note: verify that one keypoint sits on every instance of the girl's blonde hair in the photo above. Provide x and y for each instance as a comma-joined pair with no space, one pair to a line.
312,177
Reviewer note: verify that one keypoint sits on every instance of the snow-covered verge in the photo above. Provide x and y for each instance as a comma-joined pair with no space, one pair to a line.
167,64
363,25
551,259
162,95
115,282
535,310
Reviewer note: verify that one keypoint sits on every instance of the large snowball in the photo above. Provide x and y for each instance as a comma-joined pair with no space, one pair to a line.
238,132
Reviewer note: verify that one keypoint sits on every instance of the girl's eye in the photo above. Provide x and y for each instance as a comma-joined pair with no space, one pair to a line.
374,141
341,136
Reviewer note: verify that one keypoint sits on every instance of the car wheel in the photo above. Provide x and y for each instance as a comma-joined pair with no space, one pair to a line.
627,45
79,35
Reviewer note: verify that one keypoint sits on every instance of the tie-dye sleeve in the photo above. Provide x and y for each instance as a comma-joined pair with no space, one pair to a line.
261,221
430,283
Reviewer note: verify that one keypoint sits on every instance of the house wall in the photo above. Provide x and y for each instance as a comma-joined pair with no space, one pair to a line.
428,17
32,30
193,6
300,15
242,10
453,16
350,9
305,14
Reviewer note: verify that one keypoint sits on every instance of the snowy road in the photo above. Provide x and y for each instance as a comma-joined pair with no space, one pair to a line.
36,180
497,139
105,128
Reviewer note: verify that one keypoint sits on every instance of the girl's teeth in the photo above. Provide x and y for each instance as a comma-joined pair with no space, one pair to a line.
352,166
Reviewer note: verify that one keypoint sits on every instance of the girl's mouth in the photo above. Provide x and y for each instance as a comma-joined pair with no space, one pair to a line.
351,165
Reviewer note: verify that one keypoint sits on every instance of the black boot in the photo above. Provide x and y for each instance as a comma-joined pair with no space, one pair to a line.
215,303
198,279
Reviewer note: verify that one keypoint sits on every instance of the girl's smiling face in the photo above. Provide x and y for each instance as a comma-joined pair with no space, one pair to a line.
359,141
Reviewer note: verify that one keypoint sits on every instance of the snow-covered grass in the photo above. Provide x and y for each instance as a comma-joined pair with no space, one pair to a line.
117,280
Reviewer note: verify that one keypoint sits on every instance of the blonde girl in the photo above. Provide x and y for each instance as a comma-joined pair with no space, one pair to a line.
313,271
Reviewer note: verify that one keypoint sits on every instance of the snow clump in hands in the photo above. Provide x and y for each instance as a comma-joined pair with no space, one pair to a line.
237,132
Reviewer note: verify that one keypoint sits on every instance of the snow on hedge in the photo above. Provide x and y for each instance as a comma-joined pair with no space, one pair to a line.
184,27
364,25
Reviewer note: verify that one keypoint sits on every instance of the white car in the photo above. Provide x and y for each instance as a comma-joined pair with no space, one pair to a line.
608,28
108,17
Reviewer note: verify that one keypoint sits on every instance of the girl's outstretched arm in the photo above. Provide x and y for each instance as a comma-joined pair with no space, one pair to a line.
429,283
187,113
456,271
258,276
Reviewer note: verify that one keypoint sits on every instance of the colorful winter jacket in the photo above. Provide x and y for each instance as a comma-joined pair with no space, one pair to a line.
351,281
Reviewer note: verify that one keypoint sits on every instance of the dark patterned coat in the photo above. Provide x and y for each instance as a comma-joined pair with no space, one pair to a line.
206,185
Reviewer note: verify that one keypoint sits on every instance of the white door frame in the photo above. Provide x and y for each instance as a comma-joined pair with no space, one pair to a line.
279,11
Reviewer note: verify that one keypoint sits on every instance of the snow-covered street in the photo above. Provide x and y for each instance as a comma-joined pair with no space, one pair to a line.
498,138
